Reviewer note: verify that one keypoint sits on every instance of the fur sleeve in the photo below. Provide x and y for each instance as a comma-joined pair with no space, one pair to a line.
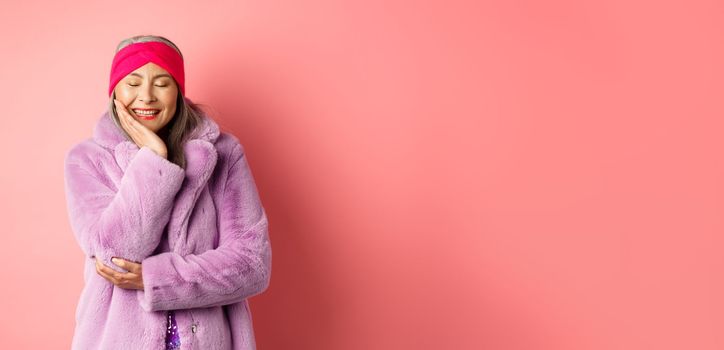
240,267
128,222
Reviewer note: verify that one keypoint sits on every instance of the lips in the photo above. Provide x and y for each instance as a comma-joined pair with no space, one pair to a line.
146,113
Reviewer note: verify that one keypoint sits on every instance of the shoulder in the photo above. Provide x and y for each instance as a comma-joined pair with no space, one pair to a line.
229,147
87,154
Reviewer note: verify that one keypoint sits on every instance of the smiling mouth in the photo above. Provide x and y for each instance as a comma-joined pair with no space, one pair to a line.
146,114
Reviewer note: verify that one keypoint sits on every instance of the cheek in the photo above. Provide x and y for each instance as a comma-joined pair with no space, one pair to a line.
170,113
123,94
169,103
169,97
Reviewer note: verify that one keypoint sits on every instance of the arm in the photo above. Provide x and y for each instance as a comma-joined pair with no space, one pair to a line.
240,267
127,223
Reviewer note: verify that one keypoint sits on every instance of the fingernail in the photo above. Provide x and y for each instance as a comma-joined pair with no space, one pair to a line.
115,261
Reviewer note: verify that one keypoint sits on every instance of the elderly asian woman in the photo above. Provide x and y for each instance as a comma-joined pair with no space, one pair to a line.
166,211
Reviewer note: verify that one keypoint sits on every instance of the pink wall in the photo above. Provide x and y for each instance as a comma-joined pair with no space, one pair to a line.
438,175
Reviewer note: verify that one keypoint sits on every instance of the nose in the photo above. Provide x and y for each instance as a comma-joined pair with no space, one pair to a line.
146,94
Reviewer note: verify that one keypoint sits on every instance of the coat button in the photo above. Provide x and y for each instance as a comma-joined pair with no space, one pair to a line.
193,328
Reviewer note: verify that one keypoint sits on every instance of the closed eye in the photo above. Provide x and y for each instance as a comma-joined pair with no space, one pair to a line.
139,84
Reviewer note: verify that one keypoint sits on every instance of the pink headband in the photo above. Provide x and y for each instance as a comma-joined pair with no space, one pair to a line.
136,55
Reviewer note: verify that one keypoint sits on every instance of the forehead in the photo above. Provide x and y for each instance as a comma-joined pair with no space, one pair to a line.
149,70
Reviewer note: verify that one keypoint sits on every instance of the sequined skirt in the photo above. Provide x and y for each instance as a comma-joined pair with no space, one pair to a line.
173,341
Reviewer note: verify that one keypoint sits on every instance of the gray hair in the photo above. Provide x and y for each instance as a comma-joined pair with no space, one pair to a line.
184,122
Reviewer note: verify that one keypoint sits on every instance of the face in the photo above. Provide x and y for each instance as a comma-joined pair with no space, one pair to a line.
149,89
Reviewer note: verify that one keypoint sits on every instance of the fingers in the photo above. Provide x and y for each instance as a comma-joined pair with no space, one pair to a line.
106,272
125,117
128,280
129,123
128,265
137,131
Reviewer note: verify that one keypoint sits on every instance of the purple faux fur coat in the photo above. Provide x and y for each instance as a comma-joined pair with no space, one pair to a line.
200,233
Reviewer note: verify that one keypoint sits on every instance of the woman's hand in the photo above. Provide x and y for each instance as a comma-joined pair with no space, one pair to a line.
129,280
140,134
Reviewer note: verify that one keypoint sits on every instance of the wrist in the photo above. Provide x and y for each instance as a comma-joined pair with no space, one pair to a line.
163,154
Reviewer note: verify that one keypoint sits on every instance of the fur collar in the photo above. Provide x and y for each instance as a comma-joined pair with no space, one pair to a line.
201,157
109,136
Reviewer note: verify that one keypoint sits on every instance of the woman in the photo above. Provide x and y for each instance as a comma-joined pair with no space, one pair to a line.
165,207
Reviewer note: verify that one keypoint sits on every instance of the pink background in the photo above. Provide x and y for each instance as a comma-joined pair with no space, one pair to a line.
438,175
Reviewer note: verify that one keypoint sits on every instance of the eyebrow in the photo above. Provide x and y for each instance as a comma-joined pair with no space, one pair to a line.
158,76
